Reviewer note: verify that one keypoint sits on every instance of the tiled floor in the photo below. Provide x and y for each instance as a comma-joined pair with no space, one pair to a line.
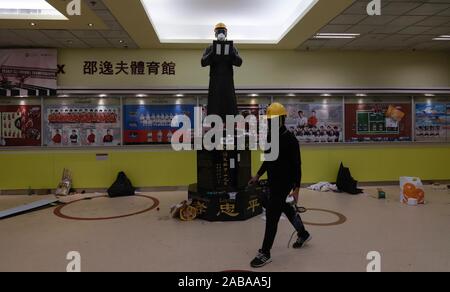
408,238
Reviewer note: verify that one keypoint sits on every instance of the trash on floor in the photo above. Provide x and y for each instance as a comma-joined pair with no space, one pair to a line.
65,185
77,197
27,208
323,187
381,193
122,187
184,211
346,183
411,188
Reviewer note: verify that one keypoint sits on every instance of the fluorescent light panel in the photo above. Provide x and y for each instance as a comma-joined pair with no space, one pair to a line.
29,9
336,35
249,21
442,38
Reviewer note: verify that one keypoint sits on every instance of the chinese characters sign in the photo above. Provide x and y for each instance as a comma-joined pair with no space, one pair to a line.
137,68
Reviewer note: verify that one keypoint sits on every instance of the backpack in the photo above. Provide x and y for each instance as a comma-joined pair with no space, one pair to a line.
346,183
122,187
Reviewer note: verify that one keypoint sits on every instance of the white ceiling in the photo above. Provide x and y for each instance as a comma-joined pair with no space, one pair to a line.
249,21
115,37
29,9
403,25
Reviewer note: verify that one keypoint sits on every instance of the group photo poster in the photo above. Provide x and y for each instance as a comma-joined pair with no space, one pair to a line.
82,125
432,121
316,122
151,123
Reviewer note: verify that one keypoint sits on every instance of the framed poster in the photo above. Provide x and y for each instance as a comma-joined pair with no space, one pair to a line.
448,122
315,121
151,123
431,121
28,72
20,123
82,122
378,120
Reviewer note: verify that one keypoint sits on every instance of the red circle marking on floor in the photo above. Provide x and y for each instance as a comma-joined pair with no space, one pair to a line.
58,210
341,218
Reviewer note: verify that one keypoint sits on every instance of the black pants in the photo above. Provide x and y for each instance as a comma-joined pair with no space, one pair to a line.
275,206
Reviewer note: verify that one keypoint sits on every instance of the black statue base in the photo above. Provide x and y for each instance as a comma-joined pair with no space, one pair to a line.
222,192
227,206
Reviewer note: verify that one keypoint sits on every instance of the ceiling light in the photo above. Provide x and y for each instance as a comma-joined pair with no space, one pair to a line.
325,94
442,38
29,9
429,94
102,95
253,95
254,21
121,41
33,24
179,95
90,24
141,95
361,94
336,35
291,94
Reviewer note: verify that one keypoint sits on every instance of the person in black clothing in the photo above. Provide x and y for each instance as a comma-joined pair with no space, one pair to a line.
284,175
221,94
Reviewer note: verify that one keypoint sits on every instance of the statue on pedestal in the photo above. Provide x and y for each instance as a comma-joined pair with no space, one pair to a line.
221,56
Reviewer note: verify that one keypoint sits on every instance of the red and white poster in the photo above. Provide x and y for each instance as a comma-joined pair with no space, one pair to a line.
28,72
20,125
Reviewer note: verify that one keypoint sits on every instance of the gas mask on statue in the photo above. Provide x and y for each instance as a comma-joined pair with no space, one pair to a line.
221,35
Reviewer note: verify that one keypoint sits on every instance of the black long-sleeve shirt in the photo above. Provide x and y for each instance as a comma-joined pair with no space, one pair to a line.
286,170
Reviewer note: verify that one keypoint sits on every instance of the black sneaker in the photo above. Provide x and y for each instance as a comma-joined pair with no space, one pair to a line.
260,260
301,240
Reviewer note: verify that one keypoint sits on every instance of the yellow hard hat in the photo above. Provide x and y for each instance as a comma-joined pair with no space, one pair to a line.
220,25
275,110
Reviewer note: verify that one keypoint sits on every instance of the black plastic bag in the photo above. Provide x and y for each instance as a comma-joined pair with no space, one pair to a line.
346,183
122,187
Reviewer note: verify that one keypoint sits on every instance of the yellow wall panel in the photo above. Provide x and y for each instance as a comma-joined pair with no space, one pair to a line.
371,163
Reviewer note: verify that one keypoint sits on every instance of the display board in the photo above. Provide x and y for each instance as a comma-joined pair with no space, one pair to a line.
20,124
82,122
28,72
432,120
315,120
151,123
378,120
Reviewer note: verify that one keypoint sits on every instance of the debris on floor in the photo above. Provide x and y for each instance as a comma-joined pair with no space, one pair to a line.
323,187
381,193
184,211
27,208
77,197
65,185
